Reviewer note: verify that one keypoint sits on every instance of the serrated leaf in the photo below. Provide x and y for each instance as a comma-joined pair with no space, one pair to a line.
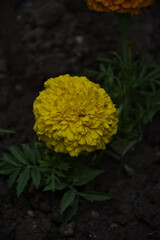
28,151
12,178
85,176
60,186
9,159
47,188
94,196
18,154
7,170
59,174
22,181
71,213
37,155
67,200
48,180
36,176
56,179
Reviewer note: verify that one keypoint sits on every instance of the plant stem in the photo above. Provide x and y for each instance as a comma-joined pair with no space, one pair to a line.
124,20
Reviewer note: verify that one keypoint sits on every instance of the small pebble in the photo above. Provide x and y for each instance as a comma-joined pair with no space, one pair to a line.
79,39
129,170
30,213
95,214
113,225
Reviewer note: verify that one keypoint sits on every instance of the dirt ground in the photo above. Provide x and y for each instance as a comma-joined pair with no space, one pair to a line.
62,37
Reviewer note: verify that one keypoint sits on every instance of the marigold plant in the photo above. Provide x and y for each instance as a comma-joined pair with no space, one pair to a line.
120,6
74,115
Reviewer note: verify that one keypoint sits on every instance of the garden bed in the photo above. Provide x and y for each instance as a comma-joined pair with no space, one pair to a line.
65,37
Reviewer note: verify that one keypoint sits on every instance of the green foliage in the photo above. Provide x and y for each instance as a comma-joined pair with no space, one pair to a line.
42,168
22,164
94,196
67,199
72,211
82,176
71,198
4,131
133,86
22,180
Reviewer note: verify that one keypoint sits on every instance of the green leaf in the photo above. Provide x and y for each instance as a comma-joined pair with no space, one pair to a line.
60,186
8,158
59,174
119,147
28,151
48,180
7,170
51,183
89,72
102,67
67,200
37,155
99,77
94,196
129,146
18,154
143,72
47,188
106,60
154,73
22,181
71,213
36,176
12,178
6,131
83,176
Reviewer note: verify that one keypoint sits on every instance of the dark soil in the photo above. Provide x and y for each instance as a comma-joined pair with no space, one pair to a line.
65,37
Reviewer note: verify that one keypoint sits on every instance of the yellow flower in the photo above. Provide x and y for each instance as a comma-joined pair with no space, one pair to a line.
74,115
119,6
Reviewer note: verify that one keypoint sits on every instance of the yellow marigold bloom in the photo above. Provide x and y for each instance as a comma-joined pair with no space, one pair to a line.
74,115
120,6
